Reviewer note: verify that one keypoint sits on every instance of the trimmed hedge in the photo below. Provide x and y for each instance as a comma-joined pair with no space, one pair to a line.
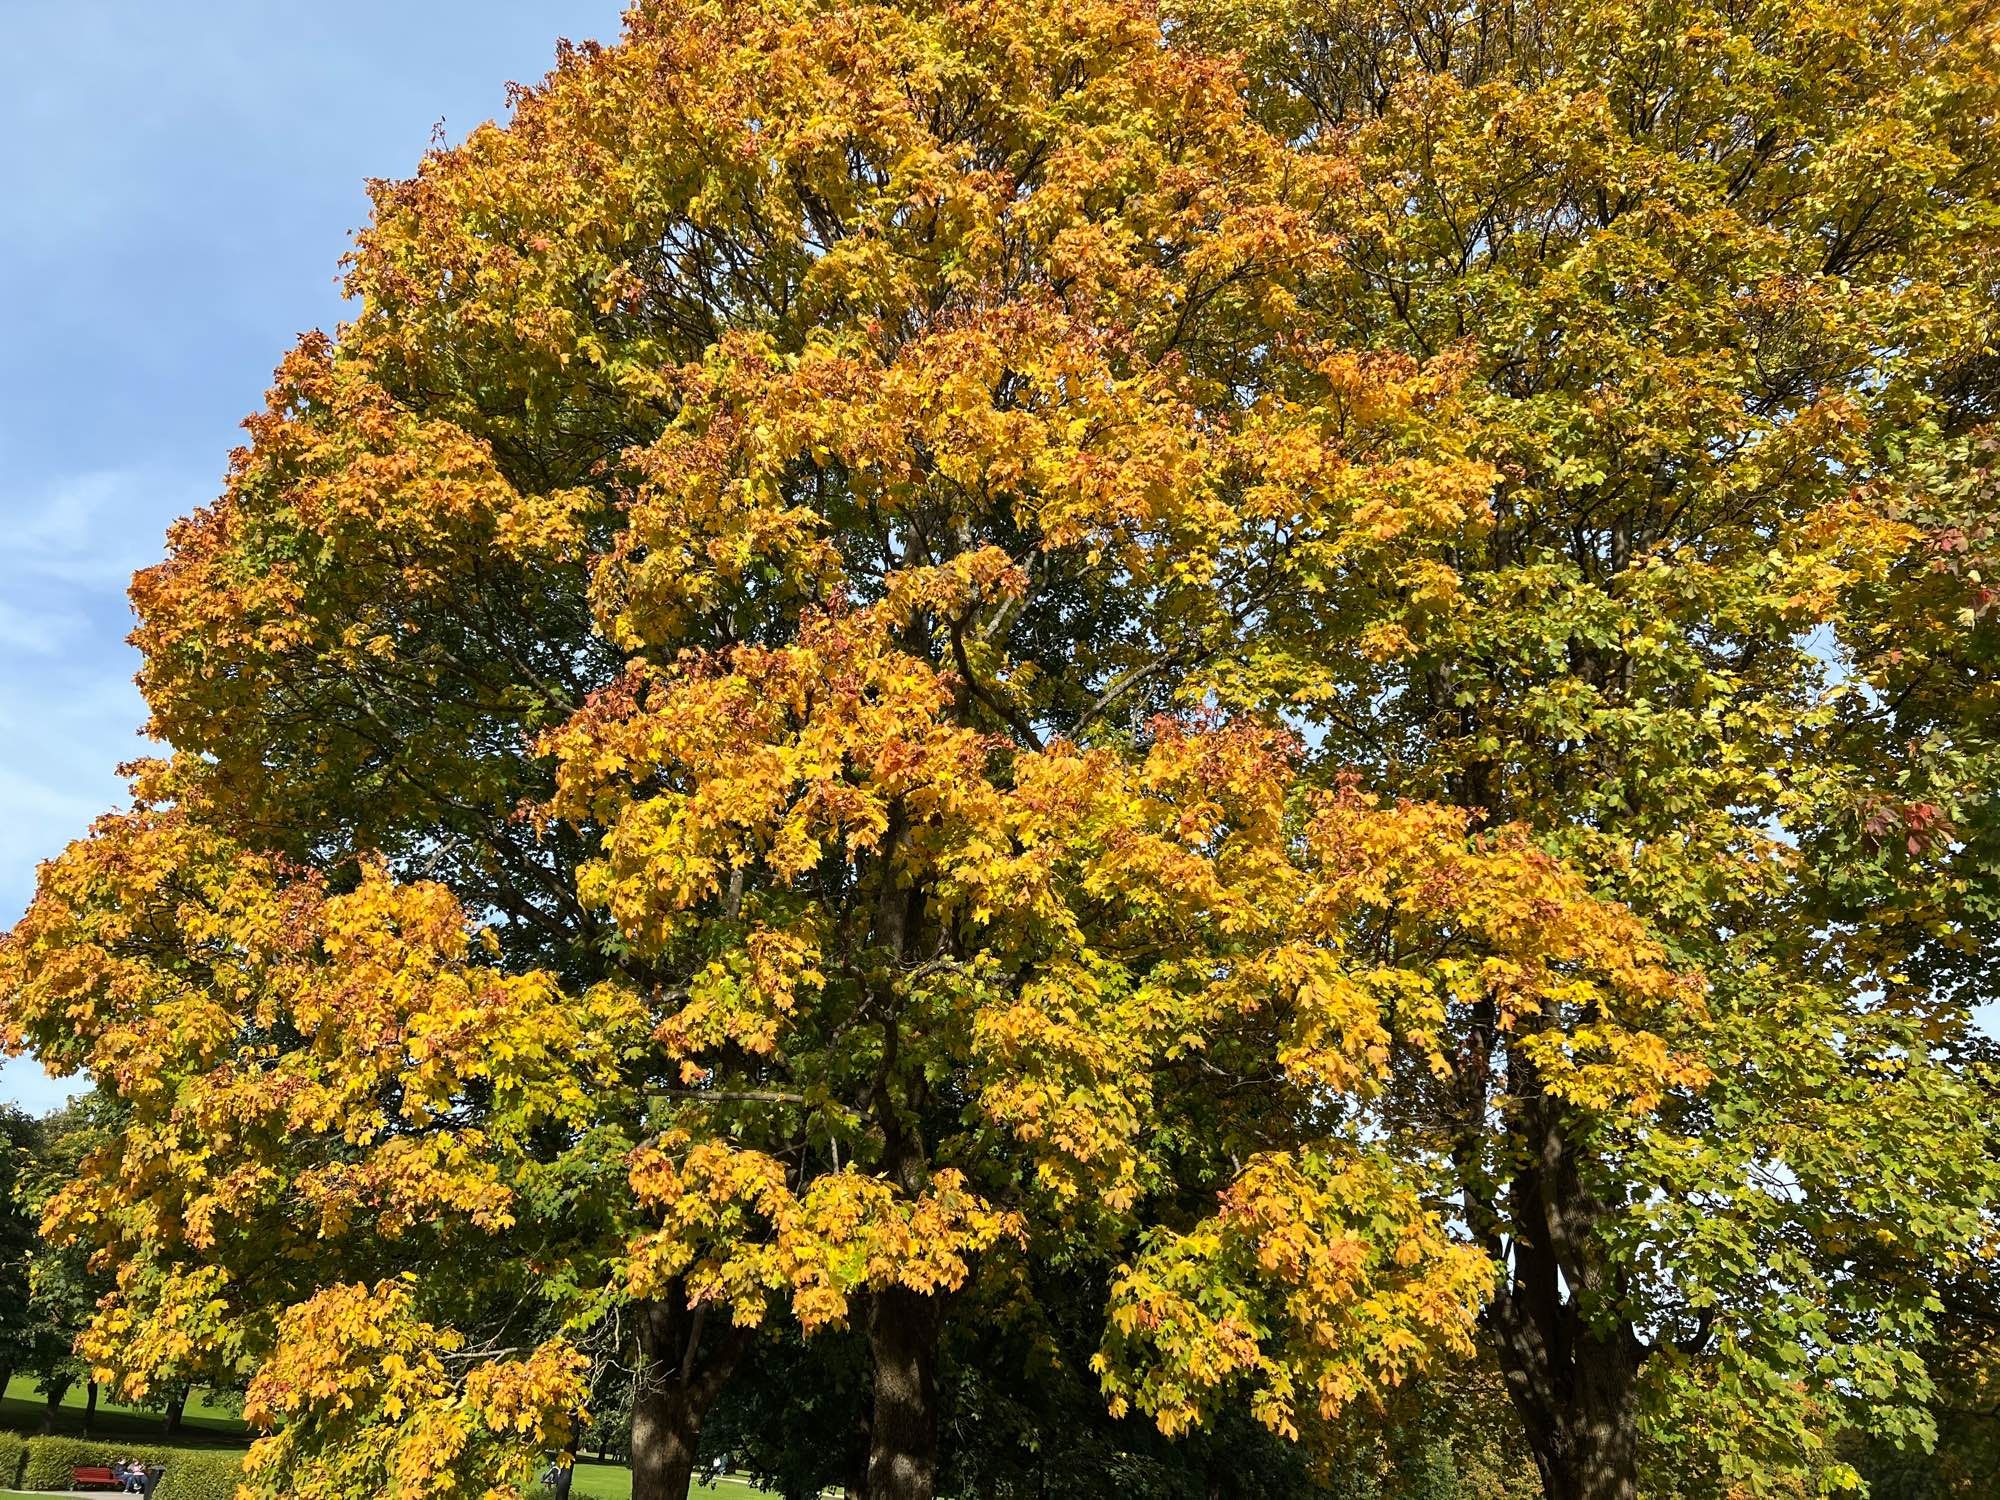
53,1459
201,1476
49,1459
192,1473
13,1453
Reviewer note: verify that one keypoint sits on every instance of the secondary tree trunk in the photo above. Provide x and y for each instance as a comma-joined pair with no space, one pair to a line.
902,1436
680,1375
89,1407
176,1409
53,1394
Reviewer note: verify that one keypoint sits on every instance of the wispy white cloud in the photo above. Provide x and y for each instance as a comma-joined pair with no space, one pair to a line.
78,530
63,773
195,172
69,713
36,632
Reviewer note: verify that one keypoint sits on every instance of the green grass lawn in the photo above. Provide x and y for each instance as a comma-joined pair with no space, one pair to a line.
614,1482
593,1482
208,1426
204,1425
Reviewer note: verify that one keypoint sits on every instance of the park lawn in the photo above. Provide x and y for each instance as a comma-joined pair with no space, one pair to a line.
593,1482
614,1482
208,1426
203,1425
601,1482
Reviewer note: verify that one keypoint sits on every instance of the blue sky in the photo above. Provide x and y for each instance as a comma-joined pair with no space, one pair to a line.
177,185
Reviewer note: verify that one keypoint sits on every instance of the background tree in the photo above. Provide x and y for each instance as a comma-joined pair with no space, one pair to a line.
18,1139
1721,282
315,1099
61,1289
1964,1405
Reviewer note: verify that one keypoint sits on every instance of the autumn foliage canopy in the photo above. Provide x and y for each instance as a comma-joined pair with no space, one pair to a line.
1327,669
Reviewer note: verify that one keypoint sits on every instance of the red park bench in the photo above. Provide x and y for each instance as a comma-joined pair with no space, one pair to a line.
94,1479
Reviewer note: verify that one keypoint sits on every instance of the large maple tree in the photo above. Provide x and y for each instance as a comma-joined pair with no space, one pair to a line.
1330,666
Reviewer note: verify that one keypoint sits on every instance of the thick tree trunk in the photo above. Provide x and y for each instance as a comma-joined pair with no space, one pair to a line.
664,1433
1573,1378
89,1407
680,1376
902,1436
902,1325
1585,1442
1603,1423
176,1409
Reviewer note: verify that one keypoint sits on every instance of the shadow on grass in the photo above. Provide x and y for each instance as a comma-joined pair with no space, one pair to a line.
22,1408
